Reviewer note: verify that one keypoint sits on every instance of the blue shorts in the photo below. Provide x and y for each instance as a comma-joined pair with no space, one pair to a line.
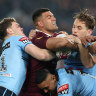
6,92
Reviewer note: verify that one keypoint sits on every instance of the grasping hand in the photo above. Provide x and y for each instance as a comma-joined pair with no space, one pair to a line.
32,33
74,39
87,39
63,32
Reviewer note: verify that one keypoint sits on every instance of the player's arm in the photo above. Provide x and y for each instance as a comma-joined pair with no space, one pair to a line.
92,48
90,40
40,54
86,57
55,43
32,33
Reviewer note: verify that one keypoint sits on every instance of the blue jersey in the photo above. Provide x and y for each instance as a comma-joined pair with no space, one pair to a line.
75,83
13,62
74,62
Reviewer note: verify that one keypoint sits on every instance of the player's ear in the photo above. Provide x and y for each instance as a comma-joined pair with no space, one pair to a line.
90,31
9,31
40,24
53,77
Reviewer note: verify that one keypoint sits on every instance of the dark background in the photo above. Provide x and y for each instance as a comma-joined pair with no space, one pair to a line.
63,10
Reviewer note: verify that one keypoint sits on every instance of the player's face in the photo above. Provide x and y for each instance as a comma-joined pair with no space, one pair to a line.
49,84
49,21
79,29
16,29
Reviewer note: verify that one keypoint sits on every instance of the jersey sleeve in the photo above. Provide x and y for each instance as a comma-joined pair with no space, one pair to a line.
22,42
64,87
40,40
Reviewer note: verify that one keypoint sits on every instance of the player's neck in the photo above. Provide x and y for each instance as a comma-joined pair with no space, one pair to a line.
47,32
50,33
8,36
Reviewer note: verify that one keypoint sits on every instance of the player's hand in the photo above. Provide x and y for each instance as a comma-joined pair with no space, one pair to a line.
77,40
63,32
32,33
87,39
71,38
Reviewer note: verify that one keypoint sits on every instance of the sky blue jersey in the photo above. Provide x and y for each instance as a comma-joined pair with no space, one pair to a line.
74,62
75,83
13,62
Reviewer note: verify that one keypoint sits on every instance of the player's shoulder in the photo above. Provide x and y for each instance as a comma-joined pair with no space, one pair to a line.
41,33
12,39
61,70
59,35
17,39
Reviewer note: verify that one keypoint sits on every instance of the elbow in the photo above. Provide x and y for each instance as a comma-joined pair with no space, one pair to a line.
90,65
43,57
46,55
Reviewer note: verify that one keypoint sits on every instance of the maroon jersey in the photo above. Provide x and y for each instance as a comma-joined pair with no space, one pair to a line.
30,88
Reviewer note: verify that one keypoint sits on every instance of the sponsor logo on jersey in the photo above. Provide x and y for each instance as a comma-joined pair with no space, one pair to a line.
63,89
24,39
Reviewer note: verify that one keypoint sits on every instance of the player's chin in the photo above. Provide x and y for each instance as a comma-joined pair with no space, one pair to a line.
55,28
52,90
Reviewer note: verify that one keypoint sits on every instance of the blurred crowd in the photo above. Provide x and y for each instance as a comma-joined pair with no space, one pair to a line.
63,9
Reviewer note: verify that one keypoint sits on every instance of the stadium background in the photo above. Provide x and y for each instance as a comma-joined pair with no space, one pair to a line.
62,9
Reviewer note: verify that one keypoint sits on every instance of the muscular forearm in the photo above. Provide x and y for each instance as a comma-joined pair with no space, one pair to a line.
58,43
85,56
92,48
40,54
48,55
